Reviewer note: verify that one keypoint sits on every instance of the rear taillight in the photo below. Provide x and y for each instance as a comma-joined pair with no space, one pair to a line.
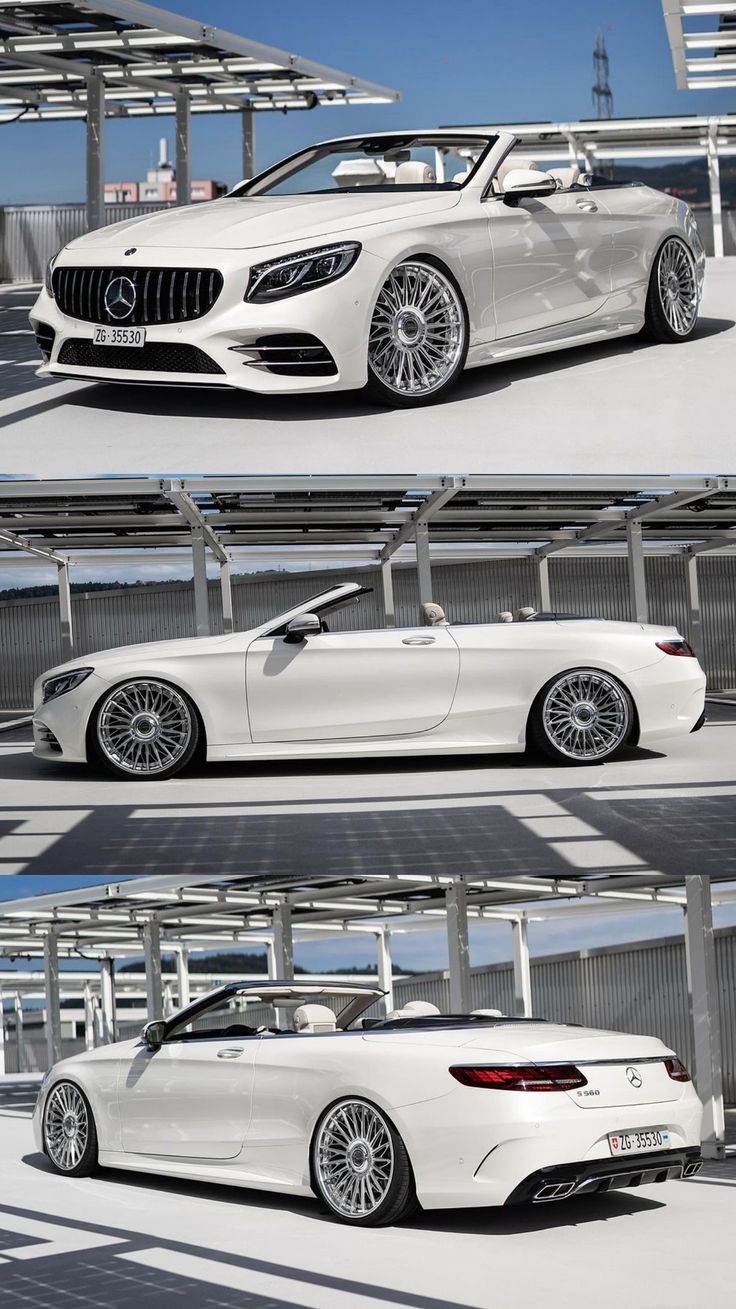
676,648
521,1077
677,1070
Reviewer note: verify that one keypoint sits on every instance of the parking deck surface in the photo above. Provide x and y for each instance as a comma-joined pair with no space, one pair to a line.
118,1238
620,407
665,811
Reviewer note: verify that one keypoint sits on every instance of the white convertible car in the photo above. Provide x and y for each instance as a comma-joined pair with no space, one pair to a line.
374,1116
579,689
395,260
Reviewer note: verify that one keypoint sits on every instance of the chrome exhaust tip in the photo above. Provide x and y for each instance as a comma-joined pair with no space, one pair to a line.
553,1191
691,1169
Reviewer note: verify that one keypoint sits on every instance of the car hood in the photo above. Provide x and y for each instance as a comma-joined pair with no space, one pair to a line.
241,224
147,650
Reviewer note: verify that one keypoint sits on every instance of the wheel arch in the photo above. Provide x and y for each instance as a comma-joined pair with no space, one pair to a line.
89,742
375,1103
615,673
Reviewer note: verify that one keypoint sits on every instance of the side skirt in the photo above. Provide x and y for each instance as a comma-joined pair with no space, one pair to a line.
493,352
225,1172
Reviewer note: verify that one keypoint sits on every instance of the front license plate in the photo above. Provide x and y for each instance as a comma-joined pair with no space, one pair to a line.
120,336
639,1142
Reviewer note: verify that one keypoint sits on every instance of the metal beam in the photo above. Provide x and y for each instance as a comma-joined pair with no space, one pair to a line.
107,1001
152,957
714,182
53,1005
248,131
183,152
543,586
522,970
182,977
19,1037
191,513
457,946
424,568
387,588
95,151
2,1035
66,620
695,618
89,1017
385,969
201,593
283,942
637,582
226,592
423,514
702,980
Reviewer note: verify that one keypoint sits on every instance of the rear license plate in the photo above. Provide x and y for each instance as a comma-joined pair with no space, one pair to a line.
639,1142
120,336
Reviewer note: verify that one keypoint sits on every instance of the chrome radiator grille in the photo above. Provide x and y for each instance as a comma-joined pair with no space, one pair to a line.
159,295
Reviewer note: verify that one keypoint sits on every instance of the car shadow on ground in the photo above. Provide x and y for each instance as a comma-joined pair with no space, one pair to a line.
221,403
495,1221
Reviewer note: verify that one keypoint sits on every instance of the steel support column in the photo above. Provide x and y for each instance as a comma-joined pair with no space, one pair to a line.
637,583
152,957
89,1018
702,983
95,151
271,961
457,947
226,591
201,597
387,584
183,153
695,618
543,587
20,1054
53,1002
424,571
522,970
283,942
385,968
714,181
65,611
2,1035
107,1002
248,125
182,977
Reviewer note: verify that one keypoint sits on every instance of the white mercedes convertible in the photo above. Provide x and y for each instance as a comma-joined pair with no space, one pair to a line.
282,1086
394,260
578,689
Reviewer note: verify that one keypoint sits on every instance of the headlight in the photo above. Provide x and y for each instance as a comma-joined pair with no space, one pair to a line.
49,270
64,682
295,273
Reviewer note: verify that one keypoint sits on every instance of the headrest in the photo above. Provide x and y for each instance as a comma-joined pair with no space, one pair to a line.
565,176
505,616
412,172
314,1018
414,1009
510,162
460,177
486,1013
432,614
526,612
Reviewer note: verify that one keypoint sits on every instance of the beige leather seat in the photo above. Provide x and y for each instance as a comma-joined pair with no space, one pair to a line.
505,616
415,1009
511,162
433,615
565,177
413,173
526,612
311,1018
486,1013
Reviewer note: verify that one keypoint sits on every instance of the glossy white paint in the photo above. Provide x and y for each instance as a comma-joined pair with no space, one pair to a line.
179,1112
424,690
530,274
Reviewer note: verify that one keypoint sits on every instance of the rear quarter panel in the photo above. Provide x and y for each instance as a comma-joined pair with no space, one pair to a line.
641,219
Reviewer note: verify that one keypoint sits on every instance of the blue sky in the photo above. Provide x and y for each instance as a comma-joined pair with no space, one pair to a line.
467,62
427,950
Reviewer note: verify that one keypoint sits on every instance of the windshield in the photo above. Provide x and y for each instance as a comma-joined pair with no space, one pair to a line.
374,163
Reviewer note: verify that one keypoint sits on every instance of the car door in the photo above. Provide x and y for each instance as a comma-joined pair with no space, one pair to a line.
552,259
334,685
192,1097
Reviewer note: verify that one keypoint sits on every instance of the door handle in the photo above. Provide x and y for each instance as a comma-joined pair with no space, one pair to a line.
587,206
233,1053
418,640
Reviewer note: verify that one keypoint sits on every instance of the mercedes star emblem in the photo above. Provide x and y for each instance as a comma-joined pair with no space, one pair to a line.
634,1076
120,297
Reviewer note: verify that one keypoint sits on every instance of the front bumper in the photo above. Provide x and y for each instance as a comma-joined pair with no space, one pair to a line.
596,1177
337,315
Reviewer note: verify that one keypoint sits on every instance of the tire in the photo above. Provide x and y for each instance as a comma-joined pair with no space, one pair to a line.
360,1167
144,729
69,1132
671,311
583,716
418,338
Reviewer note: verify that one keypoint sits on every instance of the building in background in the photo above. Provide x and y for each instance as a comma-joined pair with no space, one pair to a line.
159,185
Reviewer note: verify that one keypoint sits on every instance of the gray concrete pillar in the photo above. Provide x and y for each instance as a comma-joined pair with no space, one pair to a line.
702,982
183,151
95,151
53,1003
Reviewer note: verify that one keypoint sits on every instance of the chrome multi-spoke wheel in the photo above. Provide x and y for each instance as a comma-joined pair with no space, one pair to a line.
678,290
585,716
66,1127
354,1159
145,729
418,335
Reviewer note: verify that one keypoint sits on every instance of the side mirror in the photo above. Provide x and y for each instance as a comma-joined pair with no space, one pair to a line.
301,627
526,182
153,1034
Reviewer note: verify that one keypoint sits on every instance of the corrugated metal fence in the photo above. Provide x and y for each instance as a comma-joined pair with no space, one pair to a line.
30,235
628,988
470,592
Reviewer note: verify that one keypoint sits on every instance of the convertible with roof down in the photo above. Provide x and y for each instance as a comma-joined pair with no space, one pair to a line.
287,1086
392,260
578,689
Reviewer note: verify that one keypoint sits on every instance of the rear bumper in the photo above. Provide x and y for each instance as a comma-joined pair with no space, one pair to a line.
596,1176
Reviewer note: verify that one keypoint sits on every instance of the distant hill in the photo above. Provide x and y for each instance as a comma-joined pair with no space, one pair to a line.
244,963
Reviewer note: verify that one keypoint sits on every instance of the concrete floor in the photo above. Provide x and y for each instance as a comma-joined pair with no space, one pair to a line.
623,407
664,811
115,1240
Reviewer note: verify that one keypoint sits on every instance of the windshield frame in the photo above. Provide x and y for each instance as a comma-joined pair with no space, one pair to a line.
261,185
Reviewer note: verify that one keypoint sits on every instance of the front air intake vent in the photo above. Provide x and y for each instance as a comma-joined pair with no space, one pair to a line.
136,297
153,357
